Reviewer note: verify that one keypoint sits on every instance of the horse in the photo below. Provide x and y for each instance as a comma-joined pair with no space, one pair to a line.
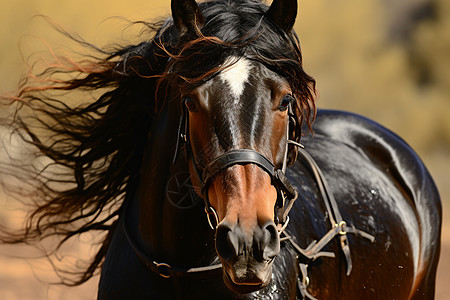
213,188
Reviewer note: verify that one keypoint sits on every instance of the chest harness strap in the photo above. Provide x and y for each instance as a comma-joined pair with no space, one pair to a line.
338,227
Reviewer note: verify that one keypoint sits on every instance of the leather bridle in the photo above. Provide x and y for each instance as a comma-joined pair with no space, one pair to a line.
286,192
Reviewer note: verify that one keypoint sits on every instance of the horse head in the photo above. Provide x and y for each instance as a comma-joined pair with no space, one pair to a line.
237,125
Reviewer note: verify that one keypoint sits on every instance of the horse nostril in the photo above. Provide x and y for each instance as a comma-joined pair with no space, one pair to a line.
271,241
227,242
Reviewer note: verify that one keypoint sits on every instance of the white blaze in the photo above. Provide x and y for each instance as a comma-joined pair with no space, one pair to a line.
237,75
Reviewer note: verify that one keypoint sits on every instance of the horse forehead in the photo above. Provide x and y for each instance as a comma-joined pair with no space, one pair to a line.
236,75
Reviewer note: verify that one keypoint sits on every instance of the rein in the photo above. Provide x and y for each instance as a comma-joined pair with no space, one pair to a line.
164,270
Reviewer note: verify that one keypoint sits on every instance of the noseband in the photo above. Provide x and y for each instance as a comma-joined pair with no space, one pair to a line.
286,192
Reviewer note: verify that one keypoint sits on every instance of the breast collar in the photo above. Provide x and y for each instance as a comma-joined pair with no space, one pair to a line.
286,192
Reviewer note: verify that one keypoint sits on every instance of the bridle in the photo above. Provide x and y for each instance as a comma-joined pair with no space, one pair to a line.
286,192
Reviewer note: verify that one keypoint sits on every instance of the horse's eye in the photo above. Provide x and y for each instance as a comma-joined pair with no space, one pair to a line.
190,104
284,104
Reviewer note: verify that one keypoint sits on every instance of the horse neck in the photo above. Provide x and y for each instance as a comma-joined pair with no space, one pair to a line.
176,232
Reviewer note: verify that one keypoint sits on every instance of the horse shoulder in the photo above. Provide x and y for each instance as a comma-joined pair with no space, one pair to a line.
389,155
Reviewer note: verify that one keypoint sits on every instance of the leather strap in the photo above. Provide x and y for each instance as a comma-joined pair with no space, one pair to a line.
234,157
313,251
164,270
338,228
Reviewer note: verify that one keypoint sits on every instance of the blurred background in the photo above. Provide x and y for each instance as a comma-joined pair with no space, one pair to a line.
386,59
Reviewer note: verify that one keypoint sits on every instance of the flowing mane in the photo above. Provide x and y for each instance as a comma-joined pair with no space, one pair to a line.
92,149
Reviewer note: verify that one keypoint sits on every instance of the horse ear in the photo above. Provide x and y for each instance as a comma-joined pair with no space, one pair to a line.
283,13
187,16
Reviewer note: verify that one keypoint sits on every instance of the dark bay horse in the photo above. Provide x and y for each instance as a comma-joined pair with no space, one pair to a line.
207,117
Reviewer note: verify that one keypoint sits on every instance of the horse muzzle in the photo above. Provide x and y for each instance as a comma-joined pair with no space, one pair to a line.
247,256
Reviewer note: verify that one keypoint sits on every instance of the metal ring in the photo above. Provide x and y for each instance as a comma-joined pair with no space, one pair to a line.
211,211
281,228
341,225
163,269
306,281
